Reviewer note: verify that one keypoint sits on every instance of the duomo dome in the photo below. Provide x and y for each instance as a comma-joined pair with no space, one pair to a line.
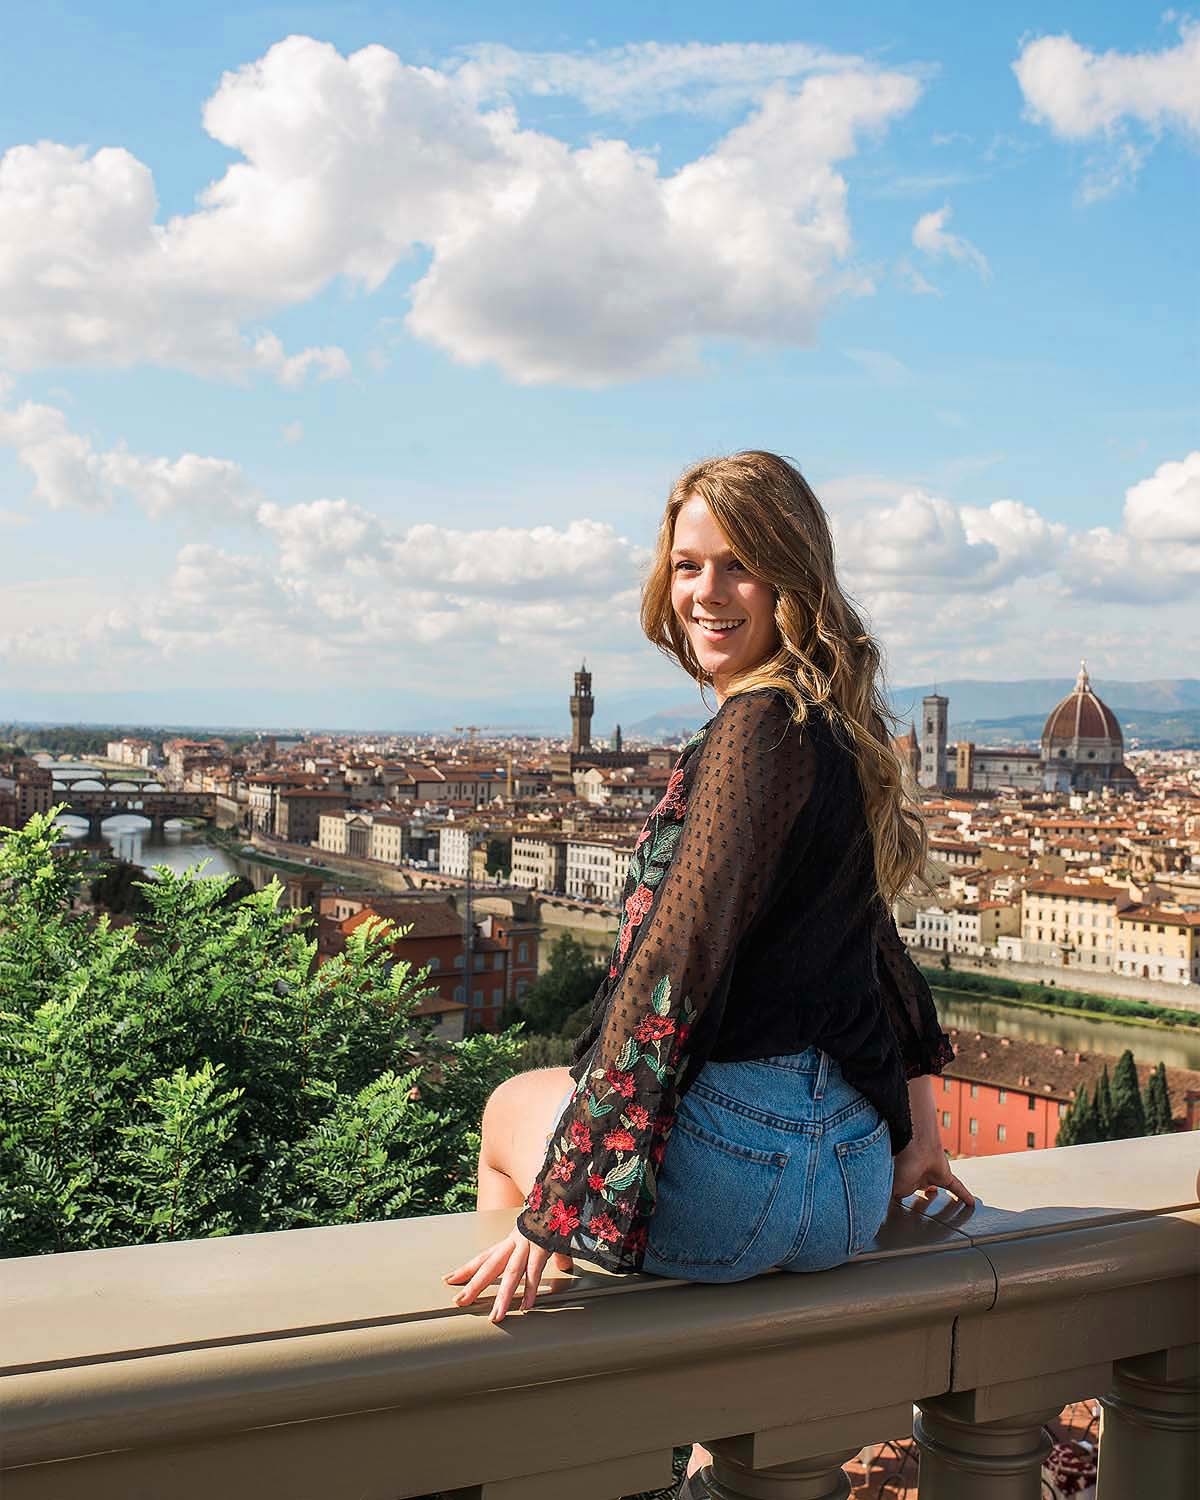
1082,744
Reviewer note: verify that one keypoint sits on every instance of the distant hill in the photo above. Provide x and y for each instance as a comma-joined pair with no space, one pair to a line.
1164,712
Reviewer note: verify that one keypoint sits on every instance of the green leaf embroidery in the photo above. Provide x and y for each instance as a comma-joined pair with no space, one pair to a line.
624,1175
661,997
629,1055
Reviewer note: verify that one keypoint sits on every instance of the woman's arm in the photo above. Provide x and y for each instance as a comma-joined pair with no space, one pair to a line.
923,1165
743,788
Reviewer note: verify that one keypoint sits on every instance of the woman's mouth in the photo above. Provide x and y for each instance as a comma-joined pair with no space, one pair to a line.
719,630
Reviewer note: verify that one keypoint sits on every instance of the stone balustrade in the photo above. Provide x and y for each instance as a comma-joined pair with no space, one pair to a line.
331,1364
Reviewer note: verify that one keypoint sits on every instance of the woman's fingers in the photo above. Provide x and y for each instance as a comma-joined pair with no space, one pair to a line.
468,1267
533,1275
508,1282
494,1260
960,1190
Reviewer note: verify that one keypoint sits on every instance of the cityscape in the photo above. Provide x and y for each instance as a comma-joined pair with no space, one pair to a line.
459,1038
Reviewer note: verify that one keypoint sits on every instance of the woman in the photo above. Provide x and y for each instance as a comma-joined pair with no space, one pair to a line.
754,1086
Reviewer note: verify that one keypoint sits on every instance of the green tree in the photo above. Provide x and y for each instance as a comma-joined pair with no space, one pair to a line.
571,978
1128,1112
499,856
1102,1103
1158,1103
199,1073
1079,1125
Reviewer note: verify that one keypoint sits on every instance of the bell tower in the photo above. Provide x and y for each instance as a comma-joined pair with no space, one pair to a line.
582,707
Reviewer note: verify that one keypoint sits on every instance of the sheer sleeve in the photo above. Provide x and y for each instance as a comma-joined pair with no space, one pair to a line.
924,1046
704,879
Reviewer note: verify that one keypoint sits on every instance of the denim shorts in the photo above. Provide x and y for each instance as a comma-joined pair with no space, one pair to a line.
775,1162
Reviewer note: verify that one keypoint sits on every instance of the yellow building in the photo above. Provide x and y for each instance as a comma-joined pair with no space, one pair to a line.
1071,923
1159,942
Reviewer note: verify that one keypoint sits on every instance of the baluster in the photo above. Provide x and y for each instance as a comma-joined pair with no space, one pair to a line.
820,1477
966,1460
1150,1427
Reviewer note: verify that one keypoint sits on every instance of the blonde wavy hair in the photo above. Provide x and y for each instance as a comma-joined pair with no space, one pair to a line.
778,531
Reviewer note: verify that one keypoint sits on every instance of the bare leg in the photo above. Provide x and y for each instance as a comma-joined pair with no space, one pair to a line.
515,1122
700,1457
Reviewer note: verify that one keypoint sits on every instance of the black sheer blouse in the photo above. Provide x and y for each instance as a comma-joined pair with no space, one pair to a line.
752,926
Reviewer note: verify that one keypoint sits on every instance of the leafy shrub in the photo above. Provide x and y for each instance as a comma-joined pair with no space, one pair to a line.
198,1073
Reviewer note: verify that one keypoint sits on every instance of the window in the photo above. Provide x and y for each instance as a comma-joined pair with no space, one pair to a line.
1001,1132
973,1126
945,1085
974,1091
1062,1110
946,1118
497,997
460,993
1030,1140
1002,1096
435,964
478,997
498,961
522,986
1032,1102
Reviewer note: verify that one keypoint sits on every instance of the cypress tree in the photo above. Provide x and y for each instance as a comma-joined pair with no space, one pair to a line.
1071,1123
1102,1105
1128,1112
1087,1127
1158,1103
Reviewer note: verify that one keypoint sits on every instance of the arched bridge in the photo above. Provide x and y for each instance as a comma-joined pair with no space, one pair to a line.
158,807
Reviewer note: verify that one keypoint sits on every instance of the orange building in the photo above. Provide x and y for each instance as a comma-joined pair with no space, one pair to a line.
1006,1094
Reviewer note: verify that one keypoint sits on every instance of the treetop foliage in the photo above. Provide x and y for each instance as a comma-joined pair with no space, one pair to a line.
198,1072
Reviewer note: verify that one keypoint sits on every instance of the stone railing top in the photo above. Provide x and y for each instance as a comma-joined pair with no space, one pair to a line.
59,1310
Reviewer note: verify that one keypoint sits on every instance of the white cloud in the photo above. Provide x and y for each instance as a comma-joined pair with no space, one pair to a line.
585,266
1155,556
1079,93
89,277
931,236
650,78
70,474
1166,507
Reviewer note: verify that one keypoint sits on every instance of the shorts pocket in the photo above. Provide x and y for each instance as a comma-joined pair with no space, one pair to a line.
867,1177
714,1198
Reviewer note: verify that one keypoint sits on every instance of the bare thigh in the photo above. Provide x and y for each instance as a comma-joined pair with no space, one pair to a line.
516,1120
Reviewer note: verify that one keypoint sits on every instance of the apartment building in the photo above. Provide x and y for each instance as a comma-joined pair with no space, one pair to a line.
596,870
539,862
1069,922
1159,941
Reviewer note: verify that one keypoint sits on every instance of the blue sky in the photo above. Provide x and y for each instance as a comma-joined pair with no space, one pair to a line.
355,379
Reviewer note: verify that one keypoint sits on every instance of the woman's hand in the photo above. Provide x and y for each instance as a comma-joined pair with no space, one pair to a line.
508,1261
923,1166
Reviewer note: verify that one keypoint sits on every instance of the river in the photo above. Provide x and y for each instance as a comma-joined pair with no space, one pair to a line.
181,848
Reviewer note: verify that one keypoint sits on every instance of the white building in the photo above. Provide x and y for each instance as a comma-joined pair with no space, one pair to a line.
539,863
596,870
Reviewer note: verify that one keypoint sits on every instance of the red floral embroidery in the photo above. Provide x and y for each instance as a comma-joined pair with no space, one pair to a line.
657,1152
534,1201
619,1140
564,1217
623,1083
595,1181
603,1228
672,804
683,1036
581,1136
562,1169
642,837
638,1116
654,1028
639,904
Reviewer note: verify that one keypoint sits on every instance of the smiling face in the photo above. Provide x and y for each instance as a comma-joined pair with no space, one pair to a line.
727,613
